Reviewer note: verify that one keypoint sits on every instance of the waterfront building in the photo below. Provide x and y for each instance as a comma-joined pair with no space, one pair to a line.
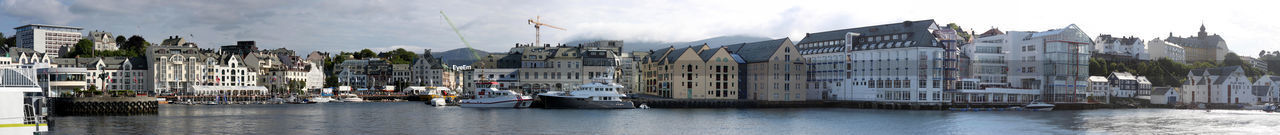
63,81
371,73
912,61
1266,89
103,41
1202,47
1120,48
1124,84
1054,61
987,58
175,65
1164,95
827,62
52,40
694,72
27,56
494,64
549,68
1220,85
629,71
226,75
1164,49
770,70
117,73
507,78
428,70
970,91
1099,86
401,75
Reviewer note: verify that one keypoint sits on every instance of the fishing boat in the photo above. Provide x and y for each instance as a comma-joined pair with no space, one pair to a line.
489,96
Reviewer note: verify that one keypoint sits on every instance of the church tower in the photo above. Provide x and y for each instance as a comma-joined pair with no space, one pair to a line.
1202,32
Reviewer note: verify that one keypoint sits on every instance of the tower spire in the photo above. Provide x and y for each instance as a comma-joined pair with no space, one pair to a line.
1202,32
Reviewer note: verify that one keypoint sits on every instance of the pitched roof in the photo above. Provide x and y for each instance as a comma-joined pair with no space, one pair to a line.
1123,75
706,55
1208,41
916,34
1097,79
1160,90
757,51
675,54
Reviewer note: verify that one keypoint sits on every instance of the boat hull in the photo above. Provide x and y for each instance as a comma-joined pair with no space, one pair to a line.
520,103
557,102
1040,108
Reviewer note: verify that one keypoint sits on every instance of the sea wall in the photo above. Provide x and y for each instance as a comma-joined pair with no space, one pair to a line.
104,106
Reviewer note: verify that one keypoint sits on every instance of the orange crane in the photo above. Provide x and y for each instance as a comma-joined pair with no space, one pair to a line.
537,28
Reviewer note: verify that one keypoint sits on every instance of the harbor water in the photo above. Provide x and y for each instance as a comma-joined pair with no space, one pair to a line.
418,118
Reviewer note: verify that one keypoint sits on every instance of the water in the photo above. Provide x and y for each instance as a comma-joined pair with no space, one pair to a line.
417,118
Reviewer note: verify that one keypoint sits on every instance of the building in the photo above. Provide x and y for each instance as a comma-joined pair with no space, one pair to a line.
176,66
694,72
771,70
1255,62
240,48
1164,49
987,58
629,71
428,70
1099,86
546,68
1053,61
1266,89
1120,48
51,40
827,61
103,41
1124,84
1202,46
912,62
1221,85
117,73
63,81
1164,95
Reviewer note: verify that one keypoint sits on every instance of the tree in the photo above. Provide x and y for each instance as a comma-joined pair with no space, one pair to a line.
82,49
11,41
364,54
120,40
401,56
1231,59
959,31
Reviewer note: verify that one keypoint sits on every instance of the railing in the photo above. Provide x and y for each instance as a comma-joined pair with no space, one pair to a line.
18,77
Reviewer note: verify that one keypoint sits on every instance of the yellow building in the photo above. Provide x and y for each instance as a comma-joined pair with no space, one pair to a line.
775,70
696,72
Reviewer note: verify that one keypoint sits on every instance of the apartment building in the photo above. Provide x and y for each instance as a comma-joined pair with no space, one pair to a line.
912,61
1165,49
771,70
694,72
52,40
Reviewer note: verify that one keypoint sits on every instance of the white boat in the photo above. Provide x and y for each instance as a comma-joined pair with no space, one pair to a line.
489,96
601,93
22,108
1039,106
435,96
319,99
350,98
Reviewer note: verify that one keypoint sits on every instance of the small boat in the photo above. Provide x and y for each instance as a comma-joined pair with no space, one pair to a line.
436,96
1270,107
350,98
601,93
1039,106
489,96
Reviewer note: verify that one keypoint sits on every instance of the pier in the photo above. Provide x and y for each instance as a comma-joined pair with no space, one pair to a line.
681,103
104,106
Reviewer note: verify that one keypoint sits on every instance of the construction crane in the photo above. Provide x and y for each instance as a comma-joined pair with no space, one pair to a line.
537,28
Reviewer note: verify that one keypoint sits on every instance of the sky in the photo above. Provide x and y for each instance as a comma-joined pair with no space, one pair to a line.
497,25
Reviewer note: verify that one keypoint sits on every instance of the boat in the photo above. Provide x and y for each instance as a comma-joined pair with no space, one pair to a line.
1270,107
23,105
1039,106
319,99
601,93
348,97
435,96
489,96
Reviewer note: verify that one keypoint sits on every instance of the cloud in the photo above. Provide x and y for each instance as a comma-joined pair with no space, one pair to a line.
38,11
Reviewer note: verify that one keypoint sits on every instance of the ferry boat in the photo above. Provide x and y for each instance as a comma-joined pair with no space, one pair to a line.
1039,106
489,96
601,93
22,111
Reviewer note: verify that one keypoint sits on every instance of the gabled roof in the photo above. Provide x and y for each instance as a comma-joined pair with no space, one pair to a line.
757,51
706,55
675,54
1160,90
1123,76
914,33
1143,80
1097,79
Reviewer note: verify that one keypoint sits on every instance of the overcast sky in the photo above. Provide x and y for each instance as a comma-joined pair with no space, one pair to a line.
493,25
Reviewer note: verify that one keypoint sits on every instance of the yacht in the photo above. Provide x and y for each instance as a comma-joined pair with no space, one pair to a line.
22,111
601,93
320,99
348,97
1039,106
488,95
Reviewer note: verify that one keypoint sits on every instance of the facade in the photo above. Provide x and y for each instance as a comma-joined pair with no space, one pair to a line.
1266,89
550,68
912,61
103,41
1255,62
1164,95
771,70
1124,84
629,71
1099,86
1164,49
1131,48
51,40
1221,85
240,48
63,81
117,73
1054,61
1202,47
176,66
695,72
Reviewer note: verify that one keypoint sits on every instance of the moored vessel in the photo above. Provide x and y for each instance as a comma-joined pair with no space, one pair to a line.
487,95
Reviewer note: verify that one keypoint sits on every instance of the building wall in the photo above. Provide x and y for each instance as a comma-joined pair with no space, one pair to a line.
1164,49
49,39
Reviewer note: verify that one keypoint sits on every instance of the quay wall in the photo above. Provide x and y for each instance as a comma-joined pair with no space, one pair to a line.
695,103
104,106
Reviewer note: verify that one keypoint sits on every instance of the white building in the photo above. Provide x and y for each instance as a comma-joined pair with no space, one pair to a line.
103,41
1124,84
1266,89
1221,85
1099,86
225,75
828,62
1255,62
174,66
52,40
1164,95
912,61
1165,49
63,81
117,73
1128,47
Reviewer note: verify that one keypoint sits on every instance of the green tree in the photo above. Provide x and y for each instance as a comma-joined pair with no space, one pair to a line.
1231,59
82,49
364,54
120,40
401,56
959,31
11,41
